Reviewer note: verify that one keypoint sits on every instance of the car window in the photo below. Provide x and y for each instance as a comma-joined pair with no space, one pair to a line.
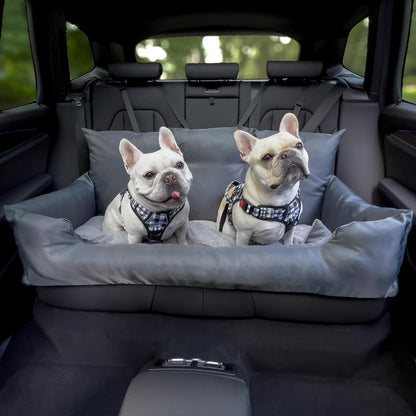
355,53
250,52
409,78
80,57
17,74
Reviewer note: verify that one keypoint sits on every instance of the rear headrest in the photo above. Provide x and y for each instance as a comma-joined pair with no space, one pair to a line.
135,70
298,69
221,71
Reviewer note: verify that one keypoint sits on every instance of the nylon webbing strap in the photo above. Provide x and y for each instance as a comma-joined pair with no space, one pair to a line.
299,102
129,109
252,106
79,114
326,105
178,116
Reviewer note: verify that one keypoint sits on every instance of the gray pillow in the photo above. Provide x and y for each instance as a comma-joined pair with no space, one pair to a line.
214,160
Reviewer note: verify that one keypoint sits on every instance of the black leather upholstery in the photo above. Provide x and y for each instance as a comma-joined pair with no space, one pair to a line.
299,69
135,70
211,71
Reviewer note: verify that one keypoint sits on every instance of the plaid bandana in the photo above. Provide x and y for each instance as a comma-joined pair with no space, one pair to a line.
286,214
154,222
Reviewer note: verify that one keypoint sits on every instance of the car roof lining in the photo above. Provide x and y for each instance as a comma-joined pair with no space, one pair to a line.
321,37
130,21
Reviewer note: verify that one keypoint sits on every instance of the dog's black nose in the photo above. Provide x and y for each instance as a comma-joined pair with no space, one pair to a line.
170,178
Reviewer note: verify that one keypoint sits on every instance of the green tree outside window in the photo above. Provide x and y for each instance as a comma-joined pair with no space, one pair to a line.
409,77
17,75
250,52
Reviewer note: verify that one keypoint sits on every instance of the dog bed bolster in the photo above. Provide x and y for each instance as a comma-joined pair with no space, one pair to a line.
353,249
358,259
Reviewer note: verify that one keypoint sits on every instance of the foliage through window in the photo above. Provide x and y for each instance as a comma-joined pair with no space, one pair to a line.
79,52
17,74
409,78
250,52
355,53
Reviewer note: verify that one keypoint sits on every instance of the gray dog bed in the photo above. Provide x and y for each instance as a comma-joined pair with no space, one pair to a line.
347,247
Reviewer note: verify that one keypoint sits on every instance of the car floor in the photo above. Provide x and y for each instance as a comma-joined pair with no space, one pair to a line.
66,362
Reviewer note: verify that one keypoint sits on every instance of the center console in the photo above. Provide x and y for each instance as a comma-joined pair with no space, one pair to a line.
185,387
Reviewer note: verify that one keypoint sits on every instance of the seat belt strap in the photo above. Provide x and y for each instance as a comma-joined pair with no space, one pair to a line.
326,105
78,102
252,105
129,109
299,102
179,117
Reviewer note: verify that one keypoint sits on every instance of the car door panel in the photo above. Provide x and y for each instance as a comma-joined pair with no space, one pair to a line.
398,188
24,154
25,142
398,125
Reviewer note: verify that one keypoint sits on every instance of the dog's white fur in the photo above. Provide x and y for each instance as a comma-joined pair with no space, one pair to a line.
271,180
159,181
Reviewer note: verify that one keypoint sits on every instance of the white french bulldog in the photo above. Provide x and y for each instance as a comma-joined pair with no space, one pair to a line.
154,205
265,208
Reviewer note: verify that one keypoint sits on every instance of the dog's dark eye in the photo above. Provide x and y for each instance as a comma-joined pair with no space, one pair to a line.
299,145
179,165
148,175
267,157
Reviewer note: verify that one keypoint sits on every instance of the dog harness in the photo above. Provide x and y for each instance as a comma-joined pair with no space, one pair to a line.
286,214
154,222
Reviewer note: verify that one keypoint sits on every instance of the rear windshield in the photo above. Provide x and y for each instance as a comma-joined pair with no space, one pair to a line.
250,52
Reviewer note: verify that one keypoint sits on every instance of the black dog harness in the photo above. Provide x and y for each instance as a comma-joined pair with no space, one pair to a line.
154,222
286,214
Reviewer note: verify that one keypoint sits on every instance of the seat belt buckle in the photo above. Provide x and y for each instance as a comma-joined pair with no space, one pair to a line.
297,108
77,98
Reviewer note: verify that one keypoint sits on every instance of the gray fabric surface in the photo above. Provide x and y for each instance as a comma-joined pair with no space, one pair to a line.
200,232
360,258
75,202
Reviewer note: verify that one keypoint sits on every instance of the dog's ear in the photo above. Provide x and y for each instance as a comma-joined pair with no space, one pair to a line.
245,143
290,124
167,140
130,154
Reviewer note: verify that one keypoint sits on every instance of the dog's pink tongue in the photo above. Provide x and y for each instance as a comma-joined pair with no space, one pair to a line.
176,195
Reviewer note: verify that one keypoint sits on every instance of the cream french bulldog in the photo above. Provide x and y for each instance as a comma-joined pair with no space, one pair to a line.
154,205
265,208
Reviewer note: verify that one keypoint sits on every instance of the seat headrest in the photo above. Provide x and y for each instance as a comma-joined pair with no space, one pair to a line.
220,71
135,70
291,69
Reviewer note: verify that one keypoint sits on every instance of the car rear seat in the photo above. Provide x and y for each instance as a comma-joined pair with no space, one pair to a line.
214,97
154,104
211,97
295,87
